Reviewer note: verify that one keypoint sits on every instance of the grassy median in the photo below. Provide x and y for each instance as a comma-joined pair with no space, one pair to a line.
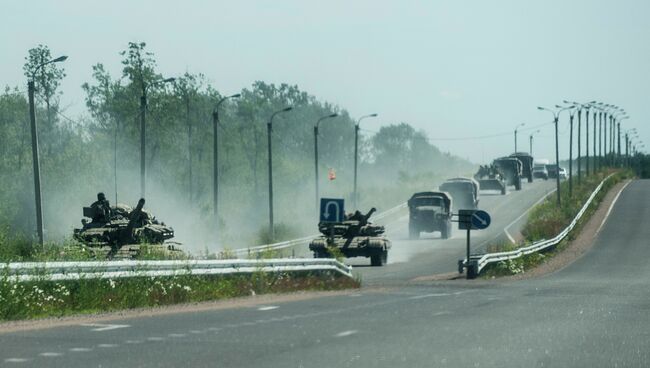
547,220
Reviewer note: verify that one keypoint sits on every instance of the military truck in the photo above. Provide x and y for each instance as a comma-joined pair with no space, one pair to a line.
526,164
429,212
354,237
510,167
464,192
490,178
123,226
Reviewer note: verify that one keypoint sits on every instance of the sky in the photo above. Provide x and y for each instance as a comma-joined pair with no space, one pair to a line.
465,72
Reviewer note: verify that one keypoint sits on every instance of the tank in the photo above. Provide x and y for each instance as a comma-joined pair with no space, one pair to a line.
125,226
354,237
489,177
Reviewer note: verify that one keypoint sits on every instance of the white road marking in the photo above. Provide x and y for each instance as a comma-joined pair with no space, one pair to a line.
104,327
107,345
610,209
346,333
80,350
133,342
155,338
16,360
429,295
50,354
269,307
505,229
196,332
177,335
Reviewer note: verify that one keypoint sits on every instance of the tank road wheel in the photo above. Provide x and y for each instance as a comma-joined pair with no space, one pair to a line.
379,259
414,233
518,184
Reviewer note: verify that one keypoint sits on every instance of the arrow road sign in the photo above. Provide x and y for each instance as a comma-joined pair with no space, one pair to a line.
332,210
480,220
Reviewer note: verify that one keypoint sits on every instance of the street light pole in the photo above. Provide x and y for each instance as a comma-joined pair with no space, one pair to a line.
316,152
269,130
531,141
587,140
356,156
517,127
556,117
572,112
143,130
215,160
35,156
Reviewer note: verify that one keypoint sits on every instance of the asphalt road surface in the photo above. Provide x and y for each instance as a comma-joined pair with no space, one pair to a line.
593,313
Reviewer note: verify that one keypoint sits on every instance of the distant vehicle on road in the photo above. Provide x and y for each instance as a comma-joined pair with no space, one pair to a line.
464,192
552,171
563,173
539,171
526,164
490,178
429,212
510,167
354,237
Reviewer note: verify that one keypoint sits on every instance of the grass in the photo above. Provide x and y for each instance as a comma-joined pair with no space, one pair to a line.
546,220
44,298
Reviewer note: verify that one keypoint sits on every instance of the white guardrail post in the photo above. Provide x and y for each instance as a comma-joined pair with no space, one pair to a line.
482,260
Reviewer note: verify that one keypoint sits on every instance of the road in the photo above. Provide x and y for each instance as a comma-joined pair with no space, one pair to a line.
593,313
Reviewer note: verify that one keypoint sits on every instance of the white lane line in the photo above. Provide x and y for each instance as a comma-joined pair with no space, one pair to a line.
505,229
103,327
268,307
155,338
107,346
50,354
428,296
80,350
177,335
609,210
346,333
16,360
133,342
196,332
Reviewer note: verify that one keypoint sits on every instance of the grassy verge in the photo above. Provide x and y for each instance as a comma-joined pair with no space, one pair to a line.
28,300
547,220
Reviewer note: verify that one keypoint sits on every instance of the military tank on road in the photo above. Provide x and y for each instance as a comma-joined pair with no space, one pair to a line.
120,227
354,237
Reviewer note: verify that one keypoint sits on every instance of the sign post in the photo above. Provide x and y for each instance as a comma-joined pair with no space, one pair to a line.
471,220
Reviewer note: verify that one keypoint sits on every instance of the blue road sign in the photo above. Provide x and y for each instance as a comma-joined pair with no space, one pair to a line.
480,220
332,210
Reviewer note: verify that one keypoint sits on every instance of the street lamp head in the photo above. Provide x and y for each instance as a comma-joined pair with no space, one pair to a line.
59,59
540,108
333,115
236,95
168,80
288,108
373,115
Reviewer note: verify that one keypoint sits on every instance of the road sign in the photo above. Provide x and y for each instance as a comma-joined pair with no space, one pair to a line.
332,210
473,219
480,220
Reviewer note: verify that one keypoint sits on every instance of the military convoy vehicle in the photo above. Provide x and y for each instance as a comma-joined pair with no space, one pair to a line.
354,237
511,169
429,212
464,192
121,226
526,164
490,178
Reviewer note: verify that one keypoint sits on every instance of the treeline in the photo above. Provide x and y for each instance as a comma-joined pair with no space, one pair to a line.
101,152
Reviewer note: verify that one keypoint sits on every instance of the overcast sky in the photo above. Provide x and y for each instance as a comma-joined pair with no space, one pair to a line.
456,69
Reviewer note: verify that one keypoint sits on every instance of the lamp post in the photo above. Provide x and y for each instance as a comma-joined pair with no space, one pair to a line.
143,129
35,157
516,128
330,116
269,130
580,108
356,156
531,141
618,144
215,159
572,111
556,117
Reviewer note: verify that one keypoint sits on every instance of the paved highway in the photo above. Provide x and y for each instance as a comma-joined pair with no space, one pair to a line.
593,313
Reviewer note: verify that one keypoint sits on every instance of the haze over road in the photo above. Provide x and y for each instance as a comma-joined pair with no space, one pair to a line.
592,313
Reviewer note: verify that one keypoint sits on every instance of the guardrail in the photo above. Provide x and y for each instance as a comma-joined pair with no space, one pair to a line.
479,261
303,241
56,271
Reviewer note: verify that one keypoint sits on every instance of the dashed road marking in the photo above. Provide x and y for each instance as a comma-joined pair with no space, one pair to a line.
80,350
104,327
133,342
196,332
155,338
429,295
107,346
50,354
346,333
177,335
268,307
16,360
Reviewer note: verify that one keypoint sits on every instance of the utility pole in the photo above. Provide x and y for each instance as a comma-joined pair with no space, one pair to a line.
269,130
587,141
517,127
579,137
556,118
316,153
356,156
